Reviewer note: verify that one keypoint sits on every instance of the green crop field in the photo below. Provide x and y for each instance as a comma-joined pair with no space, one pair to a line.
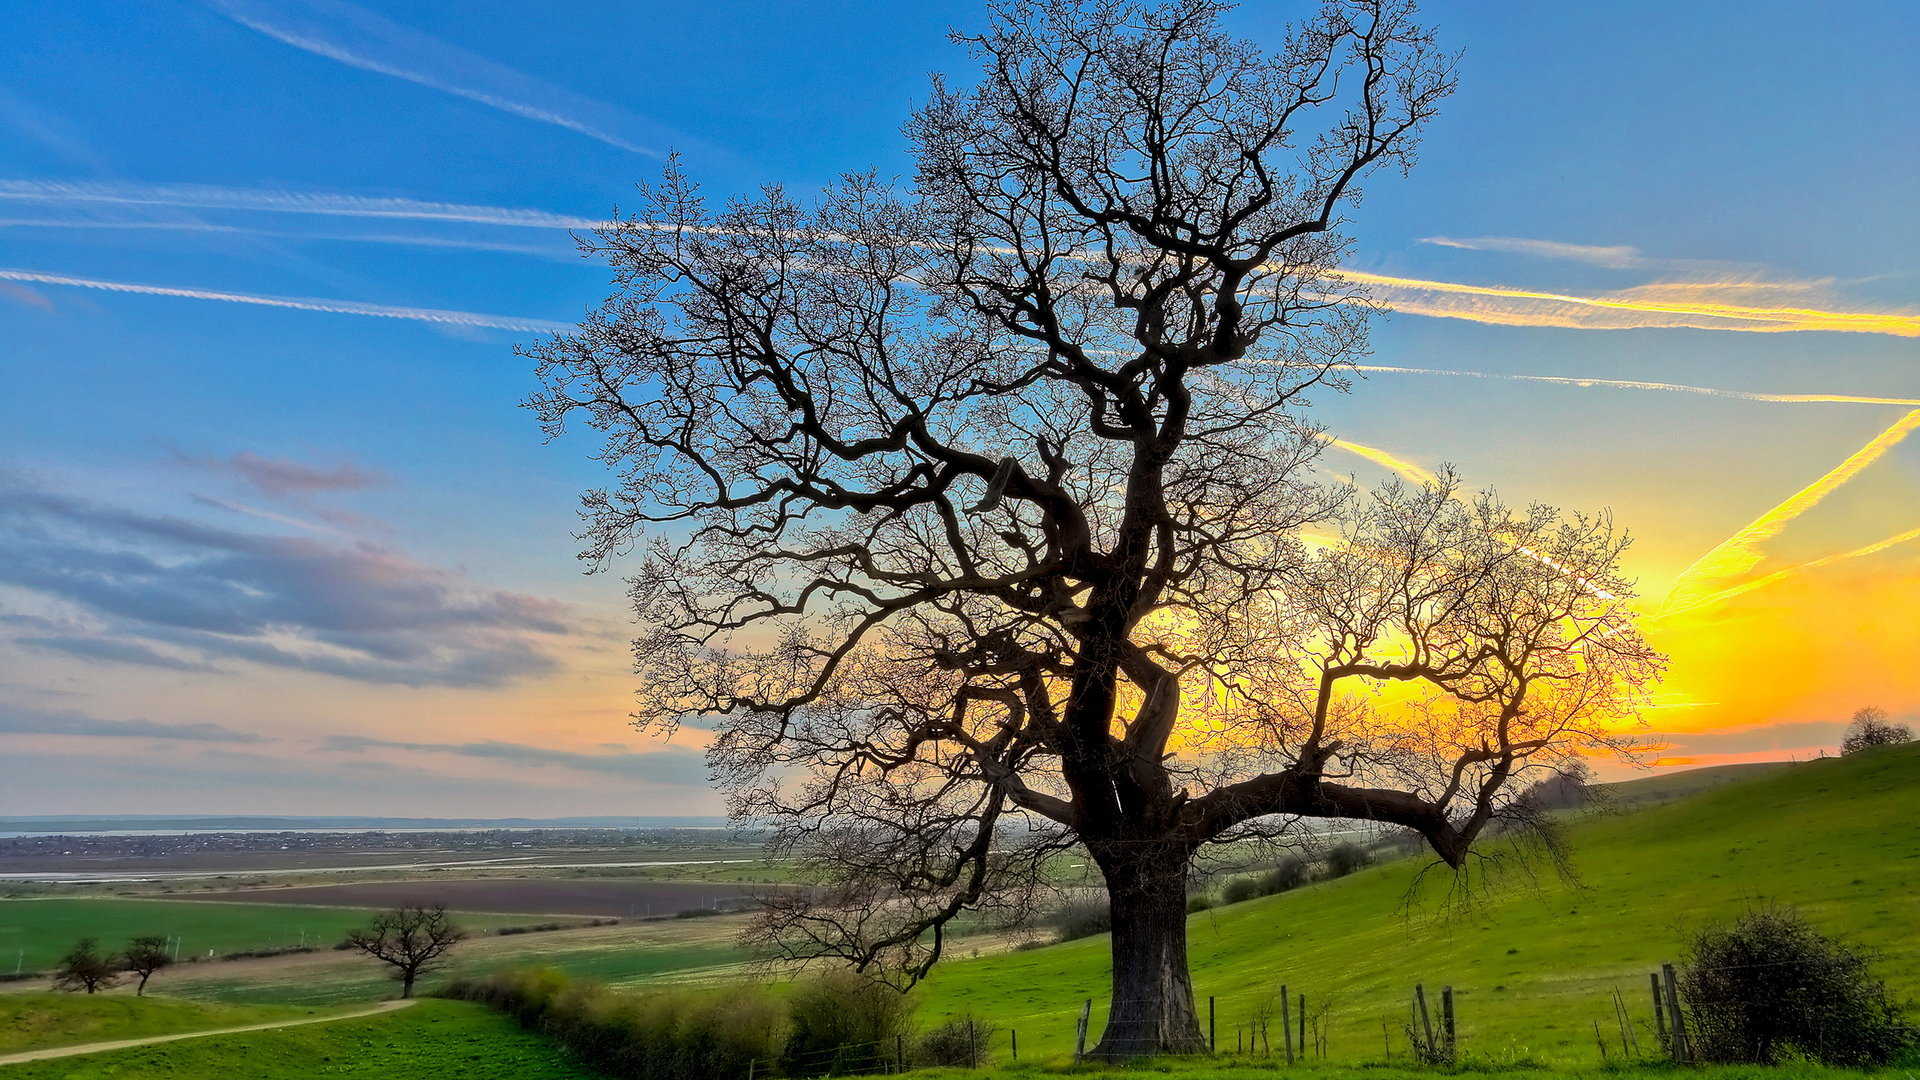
628,954
38,1021
432,1040
1533,960
34,933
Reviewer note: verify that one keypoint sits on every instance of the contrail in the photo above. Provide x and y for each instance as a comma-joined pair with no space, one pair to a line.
1384,459
1639,384
1740,553
1696,314
359,38
1778,575
297,303
209,197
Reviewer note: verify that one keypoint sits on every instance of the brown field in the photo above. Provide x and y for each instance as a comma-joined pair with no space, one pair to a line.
617,897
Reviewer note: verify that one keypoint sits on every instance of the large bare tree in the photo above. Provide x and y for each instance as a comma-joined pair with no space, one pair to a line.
974,517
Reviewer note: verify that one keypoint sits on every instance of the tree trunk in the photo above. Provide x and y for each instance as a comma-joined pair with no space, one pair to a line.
1151,1011
406,984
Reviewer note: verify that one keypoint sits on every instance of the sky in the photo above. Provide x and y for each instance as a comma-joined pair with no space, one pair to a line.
274,537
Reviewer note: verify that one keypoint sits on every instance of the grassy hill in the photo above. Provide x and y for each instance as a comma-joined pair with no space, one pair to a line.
432,1040
1533,960
36,1021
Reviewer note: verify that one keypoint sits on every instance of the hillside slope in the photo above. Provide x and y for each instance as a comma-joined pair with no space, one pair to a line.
1533,961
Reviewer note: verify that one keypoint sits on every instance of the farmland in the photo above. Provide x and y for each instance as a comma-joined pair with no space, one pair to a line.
617,897
34,933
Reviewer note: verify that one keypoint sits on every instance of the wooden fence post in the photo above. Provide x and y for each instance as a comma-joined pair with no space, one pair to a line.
1659,1014
1600,1042
1426,1022
1682,1048
1446,1018
973,1045
1303,1025
1080,1043
900,1051
1014,1034
1286,1023
1211,1045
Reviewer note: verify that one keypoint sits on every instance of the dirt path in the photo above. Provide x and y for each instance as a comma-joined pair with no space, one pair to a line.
123,1044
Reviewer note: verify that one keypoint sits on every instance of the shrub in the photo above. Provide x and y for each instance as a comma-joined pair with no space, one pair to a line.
1199,902
1345,857
961,1042
655,1036
843,1022
1769,983
1288,873
1083,918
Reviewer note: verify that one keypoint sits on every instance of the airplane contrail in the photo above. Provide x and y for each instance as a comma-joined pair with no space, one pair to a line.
210,197
1779,575
359,38
1641,384
1384,459
1640,312
297,303
1567,308
1740,553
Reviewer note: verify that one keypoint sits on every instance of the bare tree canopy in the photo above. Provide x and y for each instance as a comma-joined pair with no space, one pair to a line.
85,967
980,520
1870,729
144,956
412,938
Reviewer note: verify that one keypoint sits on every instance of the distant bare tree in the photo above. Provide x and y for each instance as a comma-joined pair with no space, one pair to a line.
144,956
973,516
85,967
412,938
1871,729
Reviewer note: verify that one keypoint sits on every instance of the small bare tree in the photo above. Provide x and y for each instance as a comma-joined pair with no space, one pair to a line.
85,967
144,956
412,938
1871,729
976,517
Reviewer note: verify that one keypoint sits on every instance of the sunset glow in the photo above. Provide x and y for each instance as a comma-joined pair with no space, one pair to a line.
275,534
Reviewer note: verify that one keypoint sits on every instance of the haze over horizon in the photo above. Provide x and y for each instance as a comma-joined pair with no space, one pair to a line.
274,538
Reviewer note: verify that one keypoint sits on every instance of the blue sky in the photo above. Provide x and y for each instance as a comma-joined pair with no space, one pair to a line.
405,629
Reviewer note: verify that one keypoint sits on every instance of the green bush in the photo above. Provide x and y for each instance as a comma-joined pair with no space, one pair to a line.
843,1023
1288,873
1769,984
1345,857
1082,918
675,1035
961,1042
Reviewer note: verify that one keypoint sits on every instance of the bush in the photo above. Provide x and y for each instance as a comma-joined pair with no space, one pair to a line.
1288,873
1345,857
656,1036
1769,983
844,1023
1199,902
961,1042
1083,918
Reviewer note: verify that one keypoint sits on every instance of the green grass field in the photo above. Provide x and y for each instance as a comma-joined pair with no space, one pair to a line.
630,954
38,1021
34,933
1532,960
433,1040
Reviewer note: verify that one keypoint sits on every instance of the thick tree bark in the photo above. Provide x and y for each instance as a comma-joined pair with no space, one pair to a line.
406,984
1151,1011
